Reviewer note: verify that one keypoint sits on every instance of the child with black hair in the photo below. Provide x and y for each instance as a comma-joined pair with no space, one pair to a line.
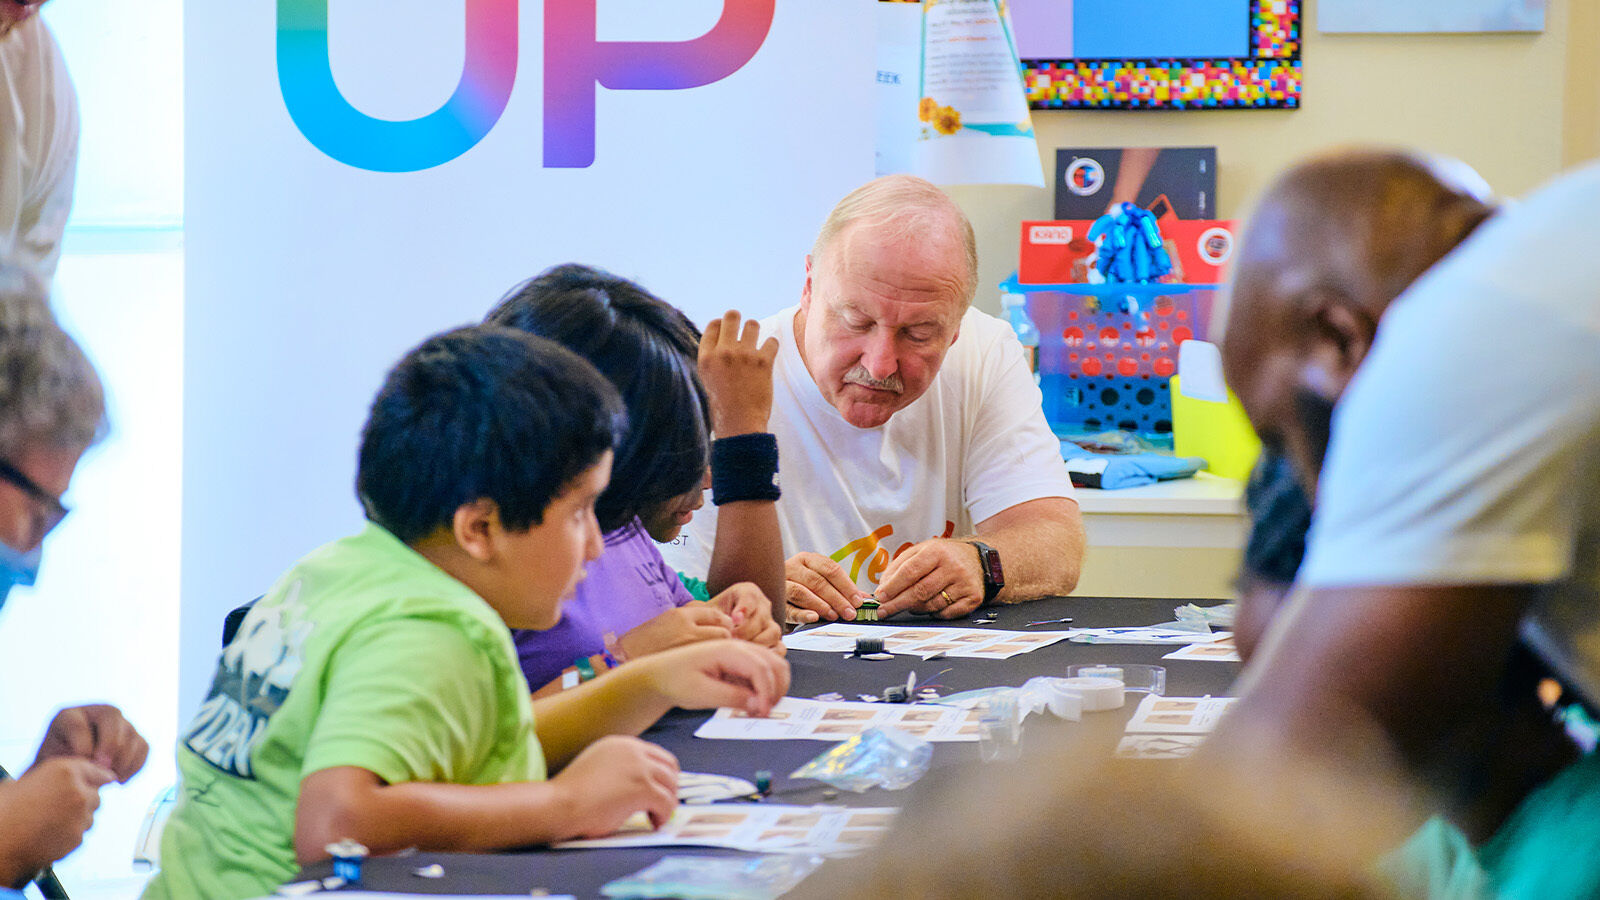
678,389
374,693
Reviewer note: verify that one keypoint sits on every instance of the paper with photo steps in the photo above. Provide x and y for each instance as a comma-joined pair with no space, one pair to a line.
758,828
1178,715
1154,635
794,719
966,643
1214,651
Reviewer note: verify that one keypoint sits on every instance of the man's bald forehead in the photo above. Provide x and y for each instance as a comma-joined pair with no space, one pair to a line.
1364,223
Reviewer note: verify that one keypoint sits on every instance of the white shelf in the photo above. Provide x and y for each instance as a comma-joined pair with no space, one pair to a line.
1203,495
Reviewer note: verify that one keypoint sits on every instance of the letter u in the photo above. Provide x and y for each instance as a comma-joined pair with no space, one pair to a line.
320,111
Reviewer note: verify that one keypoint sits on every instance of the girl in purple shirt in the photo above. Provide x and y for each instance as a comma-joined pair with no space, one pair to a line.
630,602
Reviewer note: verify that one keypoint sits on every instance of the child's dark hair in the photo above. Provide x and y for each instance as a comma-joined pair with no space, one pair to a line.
647,348
482,412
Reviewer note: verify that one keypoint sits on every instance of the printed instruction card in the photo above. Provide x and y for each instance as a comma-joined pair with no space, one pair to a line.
794,719
969,643
759,828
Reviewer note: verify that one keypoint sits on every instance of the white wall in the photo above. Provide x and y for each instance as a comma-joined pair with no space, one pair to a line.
101,625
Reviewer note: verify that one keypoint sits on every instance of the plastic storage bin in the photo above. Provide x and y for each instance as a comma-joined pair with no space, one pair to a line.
1107,352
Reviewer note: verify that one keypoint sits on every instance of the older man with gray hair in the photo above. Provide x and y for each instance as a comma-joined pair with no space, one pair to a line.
917,464
52,409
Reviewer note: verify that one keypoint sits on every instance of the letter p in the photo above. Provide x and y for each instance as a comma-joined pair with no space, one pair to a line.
575,61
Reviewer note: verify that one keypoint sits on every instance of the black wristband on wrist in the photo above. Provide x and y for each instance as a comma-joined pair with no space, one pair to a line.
744,467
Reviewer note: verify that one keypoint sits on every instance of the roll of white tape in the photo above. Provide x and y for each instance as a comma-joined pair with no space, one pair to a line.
1063,700
1098,693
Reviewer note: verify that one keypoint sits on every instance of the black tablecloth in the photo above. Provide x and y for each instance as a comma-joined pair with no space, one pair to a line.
582,872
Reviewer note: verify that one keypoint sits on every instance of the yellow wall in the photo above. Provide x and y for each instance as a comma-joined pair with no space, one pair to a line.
1518,107
1581,135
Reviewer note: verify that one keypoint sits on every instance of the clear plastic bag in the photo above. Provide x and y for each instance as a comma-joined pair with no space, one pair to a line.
1000,726
716,877
878,757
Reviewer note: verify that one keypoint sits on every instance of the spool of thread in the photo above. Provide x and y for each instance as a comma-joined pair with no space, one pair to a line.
1098,692
347,856
866,644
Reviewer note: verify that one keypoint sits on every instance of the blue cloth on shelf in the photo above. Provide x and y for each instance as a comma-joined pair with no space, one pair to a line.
1110,471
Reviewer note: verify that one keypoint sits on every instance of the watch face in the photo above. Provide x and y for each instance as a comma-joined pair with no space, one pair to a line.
991,562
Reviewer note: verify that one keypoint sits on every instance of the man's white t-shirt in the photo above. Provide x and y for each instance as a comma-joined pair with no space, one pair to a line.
38,149
1467,449
976,443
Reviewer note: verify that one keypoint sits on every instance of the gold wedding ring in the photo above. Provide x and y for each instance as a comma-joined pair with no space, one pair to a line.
947,600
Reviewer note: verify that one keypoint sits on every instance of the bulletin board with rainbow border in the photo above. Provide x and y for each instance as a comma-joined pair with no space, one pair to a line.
1159,54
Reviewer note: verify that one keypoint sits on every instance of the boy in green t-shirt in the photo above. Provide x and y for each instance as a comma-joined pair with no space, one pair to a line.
374,692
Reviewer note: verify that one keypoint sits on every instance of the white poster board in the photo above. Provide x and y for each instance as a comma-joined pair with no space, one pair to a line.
951,104
713,163
976,127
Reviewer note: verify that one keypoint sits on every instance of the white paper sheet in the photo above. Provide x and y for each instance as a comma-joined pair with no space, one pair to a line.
1178,715
1159,746
1154,634
1214,651
967,643
388,895
759,828
794,719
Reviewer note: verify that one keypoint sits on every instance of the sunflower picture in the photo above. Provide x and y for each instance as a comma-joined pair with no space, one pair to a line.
926,107
947,120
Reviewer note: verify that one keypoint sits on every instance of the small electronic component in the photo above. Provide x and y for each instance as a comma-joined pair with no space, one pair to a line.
868,646
900,693
764,782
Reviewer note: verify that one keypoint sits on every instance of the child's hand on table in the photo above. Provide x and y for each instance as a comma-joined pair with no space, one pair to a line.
615,777
751,614
687,624
716,674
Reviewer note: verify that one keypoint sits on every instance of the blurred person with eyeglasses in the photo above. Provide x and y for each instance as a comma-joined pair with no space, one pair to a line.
52,409
38,140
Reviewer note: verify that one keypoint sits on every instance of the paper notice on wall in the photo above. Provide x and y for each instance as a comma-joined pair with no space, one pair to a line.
975,123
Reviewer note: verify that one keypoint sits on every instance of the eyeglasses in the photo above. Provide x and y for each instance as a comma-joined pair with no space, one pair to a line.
51,509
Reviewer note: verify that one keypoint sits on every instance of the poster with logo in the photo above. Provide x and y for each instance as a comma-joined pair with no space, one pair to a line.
1175,181
365,173
1060,252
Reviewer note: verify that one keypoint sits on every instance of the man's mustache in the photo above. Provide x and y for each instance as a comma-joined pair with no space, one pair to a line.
860,375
